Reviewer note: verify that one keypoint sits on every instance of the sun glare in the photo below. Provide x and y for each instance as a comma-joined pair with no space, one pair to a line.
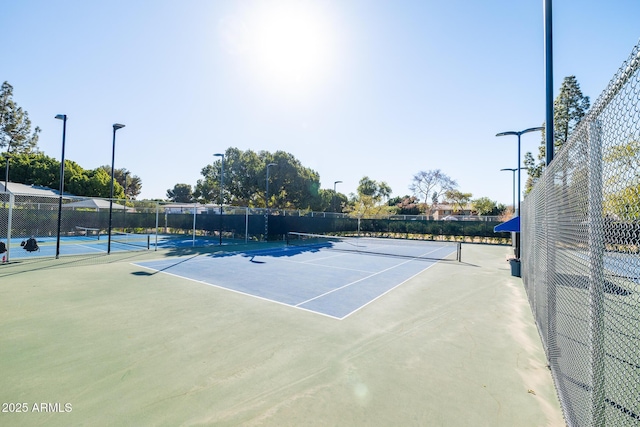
290,45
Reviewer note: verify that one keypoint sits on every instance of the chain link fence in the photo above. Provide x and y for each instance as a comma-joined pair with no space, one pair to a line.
581,259
93,225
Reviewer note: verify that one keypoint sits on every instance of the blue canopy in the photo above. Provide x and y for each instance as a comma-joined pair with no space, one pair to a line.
512,225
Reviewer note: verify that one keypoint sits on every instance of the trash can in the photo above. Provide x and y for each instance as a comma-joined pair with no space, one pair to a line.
515,267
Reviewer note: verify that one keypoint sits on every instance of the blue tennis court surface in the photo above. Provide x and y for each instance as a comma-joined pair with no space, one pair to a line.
80,245
329,282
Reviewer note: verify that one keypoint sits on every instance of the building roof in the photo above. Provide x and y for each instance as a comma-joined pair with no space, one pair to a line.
93,204
31,190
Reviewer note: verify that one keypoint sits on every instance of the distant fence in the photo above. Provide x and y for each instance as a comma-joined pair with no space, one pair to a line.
581,259
23,216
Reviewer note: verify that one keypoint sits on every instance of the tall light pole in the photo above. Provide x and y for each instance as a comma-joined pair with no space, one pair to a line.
513,188
548,66
221,187
519,134
116,126
266,214
333,200
62,117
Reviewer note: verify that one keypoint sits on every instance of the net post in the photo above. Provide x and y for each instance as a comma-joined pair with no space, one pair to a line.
157,218
459,252
193,238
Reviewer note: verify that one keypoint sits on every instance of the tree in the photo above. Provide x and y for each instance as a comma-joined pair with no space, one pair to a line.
371,199
483,206
624,157
624,204
181,193
131,184
15,126
241,177
374,189
406,205
338,202
240,187
570,106
291,185
458,199
40,169
35,169
95,183
432,183
622,189
329,201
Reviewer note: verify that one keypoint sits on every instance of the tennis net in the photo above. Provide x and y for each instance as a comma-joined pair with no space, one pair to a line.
88,232
142,241
404,248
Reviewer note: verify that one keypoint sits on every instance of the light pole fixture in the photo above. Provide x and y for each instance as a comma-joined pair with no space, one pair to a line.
519,134
266,202
116,126
221,187
333,199
513,188
62,117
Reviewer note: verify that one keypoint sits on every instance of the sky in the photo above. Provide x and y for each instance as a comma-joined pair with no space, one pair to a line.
351,88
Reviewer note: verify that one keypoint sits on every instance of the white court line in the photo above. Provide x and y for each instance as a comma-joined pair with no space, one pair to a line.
89,247
326,266
320,259
387,291
365,278
224,288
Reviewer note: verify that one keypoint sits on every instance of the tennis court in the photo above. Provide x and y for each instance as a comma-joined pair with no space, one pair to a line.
104,341
326,275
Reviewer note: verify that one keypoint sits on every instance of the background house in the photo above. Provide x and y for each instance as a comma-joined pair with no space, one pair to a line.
444,210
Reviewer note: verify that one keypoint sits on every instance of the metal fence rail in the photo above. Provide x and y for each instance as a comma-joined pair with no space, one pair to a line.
581,259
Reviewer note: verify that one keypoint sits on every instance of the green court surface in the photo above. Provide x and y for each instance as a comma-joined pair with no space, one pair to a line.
102,341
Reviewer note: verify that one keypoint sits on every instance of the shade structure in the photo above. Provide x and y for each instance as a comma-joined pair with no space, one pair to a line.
93,204
512,225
